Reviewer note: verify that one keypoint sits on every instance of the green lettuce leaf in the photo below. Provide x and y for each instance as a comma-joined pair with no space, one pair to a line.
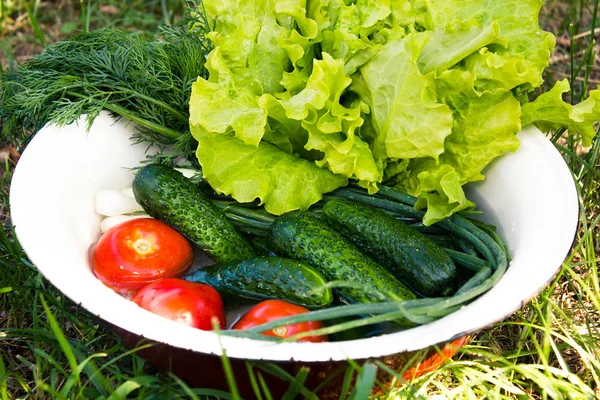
346,36
411,14
249,36
550,112
330,125
280,181
303,95
222,102
407,119
485,124
355,31
450,45
235,32
305,120
528,47
485,127
441,193
298,41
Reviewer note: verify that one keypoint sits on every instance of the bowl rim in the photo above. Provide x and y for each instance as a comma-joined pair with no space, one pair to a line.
159,329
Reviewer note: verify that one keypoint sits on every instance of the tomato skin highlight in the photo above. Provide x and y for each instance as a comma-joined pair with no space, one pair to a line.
134,253
189,303
270,310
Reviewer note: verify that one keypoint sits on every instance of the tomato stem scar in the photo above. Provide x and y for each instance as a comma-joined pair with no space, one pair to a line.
280,331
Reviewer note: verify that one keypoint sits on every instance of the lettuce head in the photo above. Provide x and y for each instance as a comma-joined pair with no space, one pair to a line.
304,96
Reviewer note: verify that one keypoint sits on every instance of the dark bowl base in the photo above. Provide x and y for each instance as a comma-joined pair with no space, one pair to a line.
200,370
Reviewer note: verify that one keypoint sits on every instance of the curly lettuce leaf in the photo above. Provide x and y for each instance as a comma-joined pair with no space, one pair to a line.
412,14
451,45
441,193
346,36
285,133
485,124
248,34
222,102
417,93
305,121
485,127
235,33
330,125
279,180
528,47
550,112
298,41
408,121
355,31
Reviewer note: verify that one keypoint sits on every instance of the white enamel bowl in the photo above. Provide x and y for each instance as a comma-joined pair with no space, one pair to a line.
529,195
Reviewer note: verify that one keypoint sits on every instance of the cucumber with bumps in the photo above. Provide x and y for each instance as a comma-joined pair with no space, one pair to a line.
305,237
167,195
408,254
268,278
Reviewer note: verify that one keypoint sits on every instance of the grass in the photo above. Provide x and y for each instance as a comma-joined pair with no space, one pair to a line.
51,348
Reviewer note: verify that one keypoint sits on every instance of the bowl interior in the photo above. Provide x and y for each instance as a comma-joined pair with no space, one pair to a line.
529,195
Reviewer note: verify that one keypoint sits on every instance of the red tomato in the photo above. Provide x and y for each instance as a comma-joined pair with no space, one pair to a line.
190,303
137,252
270,310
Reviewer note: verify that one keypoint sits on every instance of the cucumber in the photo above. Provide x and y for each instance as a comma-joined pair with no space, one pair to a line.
167,195
267,278
305,237
408,254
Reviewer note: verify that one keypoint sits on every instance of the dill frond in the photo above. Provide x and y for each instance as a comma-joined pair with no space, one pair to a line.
148,82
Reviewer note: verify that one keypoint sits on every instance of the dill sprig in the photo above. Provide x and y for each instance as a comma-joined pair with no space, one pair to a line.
148,82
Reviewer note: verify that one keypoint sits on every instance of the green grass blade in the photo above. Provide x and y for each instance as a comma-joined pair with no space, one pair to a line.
264,387
219,394
94,374
227,369
46,388
277,371
347,382
35,26
331,377
51,360
165,10
593,172
60,337
131,385
297,384
409,388
187,390
3,379
572,51
74,377
365,381
253,381
589,60
193,393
